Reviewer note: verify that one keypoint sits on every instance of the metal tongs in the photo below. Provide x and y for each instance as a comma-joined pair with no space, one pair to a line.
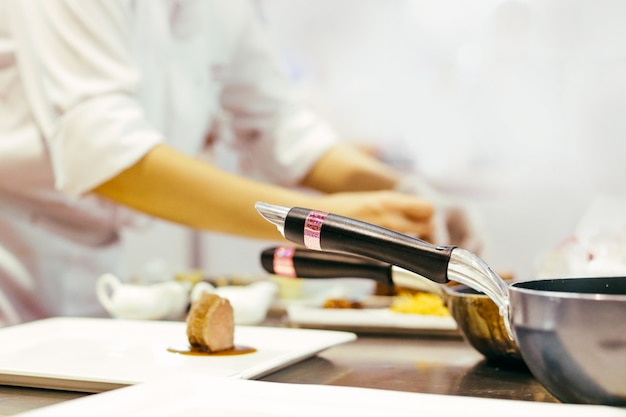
320,230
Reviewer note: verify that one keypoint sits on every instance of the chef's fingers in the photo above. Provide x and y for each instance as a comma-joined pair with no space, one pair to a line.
400,212
462,230
458,228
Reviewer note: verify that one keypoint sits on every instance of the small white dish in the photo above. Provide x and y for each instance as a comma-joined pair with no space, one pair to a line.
250,302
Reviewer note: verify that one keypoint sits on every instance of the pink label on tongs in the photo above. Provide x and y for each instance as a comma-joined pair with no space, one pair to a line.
312,229
283,262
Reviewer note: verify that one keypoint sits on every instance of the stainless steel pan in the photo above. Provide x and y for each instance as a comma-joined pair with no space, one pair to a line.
571,332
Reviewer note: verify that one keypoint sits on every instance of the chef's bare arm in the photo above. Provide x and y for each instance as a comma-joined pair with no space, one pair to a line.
347,168
173,186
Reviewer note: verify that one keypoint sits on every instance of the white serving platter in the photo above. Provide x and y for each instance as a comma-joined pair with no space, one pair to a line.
92,355
201,395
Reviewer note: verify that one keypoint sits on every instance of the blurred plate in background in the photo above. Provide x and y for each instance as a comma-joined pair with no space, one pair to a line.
371,320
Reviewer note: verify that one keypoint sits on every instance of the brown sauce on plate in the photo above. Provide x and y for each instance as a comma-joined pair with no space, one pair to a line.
196,351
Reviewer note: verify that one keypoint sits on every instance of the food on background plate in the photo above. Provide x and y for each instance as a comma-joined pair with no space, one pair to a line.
211,324
408,302
404,302
342,303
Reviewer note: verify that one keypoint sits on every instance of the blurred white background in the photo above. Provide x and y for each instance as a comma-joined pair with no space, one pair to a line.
514,106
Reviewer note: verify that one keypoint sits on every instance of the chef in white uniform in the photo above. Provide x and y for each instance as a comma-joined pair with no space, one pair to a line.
103,105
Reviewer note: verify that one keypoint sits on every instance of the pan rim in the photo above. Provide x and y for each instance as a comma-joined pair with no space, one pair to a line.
573,294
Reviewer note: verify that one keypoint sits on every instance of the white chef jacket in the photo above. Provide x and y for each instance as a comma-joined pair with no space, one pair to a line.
87,87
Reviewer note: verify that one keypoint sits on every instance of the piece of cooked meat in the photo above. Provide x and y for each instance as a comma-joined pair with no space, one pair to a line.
211,324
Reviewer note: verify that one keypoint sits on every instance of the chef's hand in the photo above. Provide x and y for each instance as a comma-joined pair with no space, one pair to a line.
401,212
454,224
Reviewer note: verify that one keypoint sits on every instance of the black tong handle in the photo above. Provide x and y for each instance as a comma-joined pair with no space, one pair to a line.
321,264
343,234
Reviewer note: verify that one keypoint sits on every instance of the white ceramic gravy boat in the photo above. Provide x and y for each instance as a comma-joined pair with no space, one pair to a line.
164,300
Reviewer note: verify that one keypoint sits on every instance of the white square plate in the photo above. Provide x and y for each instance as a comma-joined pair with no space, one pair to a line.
91,355
200,395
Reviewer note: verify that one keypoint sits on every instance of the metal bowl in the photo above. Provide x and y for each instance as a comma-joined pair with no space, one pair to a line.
482,326
572,335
